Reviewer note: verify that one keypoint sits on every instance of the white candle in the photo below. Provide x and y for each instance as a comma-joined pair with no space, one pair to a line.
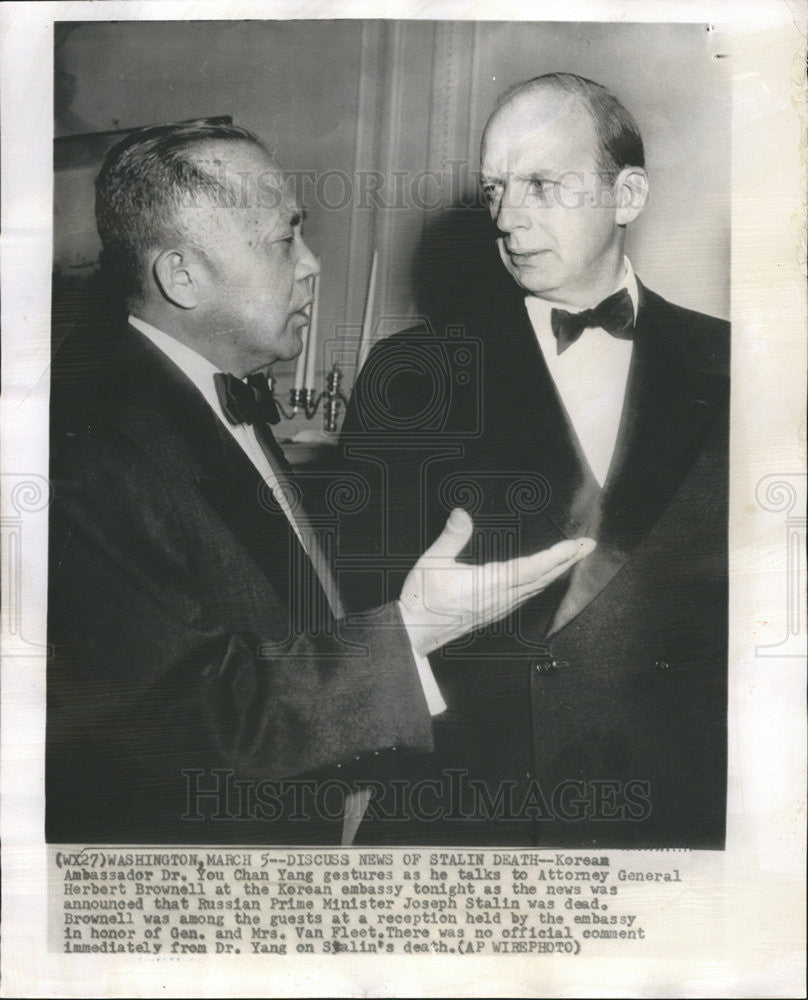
311,340
367,320
301,361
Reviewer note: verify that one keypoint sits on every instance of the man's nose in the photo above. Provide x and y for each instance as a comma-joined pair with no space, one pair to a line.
308,266
511,211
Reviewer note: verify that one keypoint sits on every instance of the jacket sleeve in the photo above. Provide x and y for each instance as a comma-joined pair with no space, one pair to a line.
170,645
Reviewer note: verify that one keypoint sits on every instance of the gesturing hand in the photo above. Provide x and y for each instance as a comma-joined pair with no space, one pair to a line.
442,599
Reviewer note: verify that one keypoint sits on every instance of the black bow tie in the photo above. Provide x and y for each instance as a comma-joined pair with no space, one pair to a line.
246,402
615,315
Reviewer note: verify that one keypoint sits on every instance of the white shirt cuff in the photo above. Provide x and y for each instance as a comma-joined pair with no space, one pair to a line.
434,699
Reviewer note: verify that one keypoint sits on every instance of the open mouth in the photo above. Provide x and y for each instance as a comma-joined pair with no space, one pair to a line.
524,256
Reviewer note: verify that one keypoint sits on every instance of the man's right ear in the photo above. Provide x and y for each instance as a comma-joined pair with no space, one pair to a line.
175,276
631,189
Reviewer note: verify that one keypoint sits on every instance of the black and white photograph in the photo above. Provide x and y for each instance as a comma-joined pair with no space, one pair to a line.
390,518
529,408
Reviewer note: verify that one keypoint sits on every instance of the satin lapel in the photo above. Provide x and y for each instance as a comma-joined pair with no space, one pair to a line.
528,429
244,502
671,403
158,405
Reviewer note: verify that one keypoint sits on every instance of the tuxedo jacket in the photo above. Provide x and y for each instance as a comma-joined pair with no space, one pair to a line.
596,715
195,667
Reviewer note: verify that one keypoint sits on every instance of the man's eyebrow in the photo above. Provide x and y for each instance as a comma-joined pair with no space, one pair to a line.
537,175
534,175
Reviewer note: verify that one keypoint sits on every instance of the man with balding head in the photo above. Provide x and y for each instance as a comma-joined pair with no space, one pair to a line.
601,409
204,684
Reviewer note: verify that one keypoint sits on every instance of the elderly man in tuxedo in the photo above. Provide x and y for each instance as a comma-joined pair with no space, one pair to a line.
598,408
204,683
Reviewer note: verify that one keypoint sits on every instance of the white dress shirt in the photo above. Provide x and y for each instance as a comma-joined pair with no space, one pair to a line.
590,376
200,371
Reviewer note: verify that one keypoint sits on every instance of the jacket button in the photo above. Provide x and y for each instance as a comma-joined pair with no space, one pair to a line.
662,665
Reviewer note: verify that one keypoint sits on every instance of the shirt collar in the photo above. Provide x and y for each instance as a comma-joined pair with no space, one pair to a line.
198,369
539,309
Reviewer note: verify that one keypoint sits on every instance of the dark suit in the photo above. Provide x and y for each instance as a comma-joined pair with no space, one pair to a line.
192,649
596,716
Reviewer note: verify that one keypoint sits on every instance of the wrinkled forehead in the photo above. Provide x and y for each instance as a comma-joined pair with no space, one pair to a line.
547,129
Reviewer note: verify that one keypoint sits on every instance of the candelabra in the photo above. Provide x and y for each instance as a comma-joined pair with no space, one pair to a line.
307,402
